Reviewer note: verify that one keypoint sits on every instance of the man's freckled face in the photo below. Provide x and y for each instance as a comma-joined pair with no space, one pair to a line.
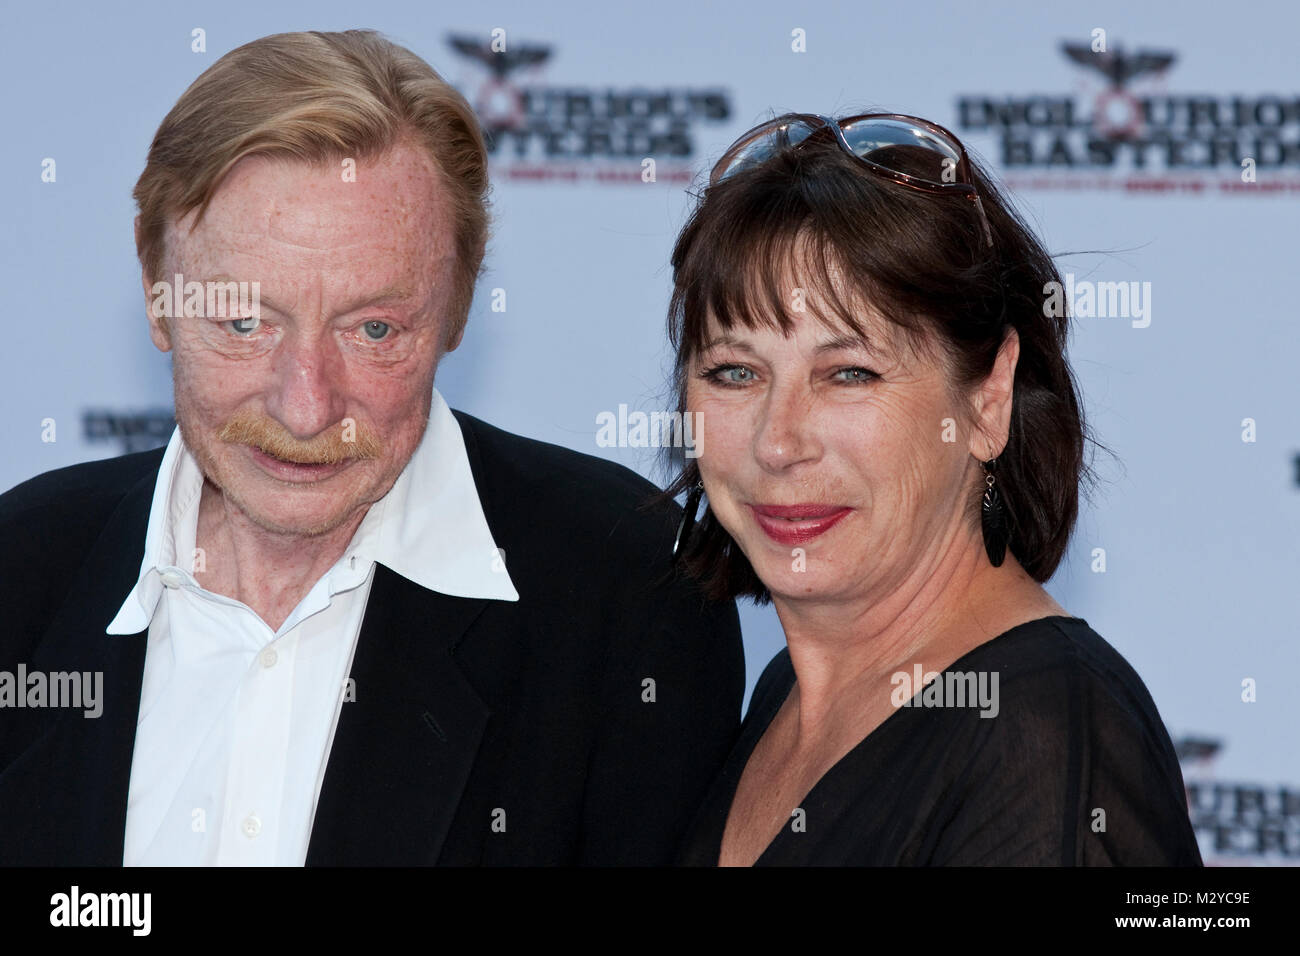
354,281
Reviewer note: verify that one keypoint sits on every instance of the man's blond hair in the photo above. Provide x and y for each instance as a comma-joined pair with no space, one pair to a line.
315,97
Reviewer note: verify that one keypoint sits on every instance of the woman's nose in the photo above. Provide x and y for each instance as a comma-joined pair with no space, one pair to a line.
784,434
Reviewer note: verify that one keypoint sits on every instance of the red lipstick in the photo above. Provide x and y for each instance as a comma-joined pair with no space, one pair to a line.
795,524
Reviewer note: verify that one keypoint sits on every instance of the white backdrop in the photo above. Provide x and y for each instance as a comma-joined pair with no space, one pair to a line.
1199,527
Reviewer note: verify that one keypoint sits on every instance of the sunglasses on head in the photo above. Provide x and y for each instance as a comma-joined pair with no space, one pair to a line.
907,150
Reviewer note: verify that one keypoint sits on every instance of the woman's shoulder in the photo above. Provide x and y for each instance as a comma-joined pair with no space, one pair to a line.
1059,660
1032,665
1077,750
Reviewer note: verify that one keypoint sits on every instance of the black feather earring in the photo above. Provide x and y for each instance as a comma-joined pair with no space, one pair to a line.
993,517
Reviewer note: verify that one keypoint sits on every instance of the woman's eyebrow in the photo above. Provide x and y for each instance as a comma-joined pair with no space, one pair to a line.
728,341
844,342
838,343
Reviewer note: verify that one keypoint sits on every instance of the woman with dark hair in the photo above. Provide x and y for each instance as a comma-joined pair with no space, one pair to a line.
892,445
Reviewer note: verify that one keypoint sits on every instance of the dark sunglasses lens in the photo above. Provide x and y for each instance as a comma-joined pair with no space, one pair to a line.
901,147
765,145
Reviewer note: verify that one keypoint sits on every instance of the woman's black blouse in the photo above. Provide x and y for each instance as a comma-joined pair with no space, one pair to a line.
1075,769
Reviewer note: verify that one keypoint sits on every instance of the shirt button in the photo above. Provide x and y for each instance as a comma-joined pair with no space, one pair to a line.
269,657
172,579
251,826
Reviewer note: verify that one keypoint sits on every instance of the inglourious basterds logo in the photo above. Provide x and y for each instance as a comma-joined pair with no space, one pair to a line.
1238,822
1124,128
581,132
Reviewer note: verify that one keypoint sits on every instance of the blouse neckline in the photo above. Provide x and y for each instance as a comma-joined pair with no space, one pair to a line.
749,741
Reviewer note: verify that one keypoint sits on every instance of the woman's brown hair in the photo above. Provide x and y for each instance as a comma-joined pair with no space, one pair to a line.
921,261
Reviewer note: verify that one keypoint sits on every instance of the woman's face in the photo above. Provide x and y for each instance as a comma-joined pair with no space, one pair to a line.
843,469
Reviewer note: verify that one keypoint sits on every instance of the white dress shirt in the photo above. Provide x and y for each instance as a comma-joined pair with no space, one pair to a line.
236,720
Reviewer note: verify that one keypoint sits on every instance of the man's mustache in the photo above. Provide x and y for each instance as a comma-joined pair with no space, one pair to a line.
348,439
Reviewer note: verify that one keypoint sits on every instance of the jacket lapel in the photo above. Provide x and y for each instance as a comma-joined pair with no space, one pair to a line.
87,761
403,749
402,752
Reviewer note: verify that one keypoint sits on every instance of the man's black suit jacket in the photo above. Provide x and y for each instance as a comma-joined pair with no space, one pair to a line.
468,713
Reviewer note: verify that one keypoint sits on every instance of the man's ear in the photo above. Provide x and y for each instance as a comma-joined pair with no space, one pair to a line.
993,401
453,341
159,331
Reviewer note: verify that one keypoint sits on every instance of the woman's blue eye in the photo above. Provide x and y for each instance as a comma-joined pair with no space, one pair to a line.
856,374
243,327
725,373
375,331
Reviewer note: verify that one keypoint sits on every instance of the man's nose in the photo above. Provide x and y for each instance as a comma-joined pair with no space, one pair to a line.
785,433
306,394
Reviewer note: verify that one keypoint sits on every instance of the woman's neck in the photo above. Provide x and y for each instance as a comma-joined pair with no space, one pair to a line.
845,652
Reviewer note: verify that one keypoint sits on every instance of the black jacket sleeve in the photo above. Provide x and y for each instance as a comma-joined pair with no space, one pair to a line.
673,688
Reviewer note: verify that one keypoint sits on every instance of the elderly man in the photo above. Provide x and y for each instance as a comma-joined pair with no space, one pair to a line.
337,622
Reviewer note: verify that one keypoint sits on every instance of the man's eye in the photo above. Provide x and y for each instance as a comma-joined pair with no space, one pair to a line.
376,330
243,327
